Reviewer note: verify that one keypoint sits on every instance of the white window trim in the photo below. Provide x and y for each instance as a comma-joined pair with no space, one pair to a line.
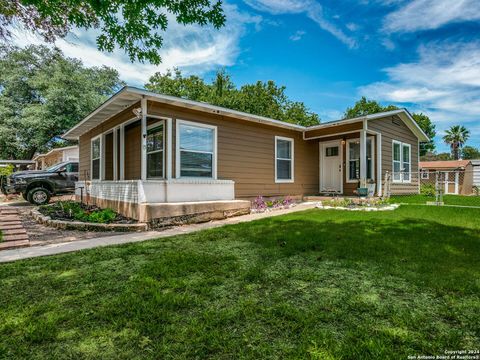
402,170
292,160
372,164
98,137
180,122
152,126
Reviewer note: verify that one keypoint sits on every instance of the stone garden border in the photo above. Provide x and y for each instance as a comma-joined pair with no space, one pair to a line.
389,207
85,226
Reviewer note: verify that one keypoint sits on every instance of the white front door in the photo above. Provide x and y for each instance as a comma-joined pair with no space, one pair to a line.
331,167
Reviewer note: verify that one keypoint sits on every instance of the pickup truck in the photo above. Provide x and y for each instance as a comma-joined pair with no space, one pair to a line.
38,186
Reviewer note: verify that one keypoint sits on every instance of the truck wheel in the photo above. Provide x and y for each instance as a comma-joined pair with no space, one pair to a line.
38,196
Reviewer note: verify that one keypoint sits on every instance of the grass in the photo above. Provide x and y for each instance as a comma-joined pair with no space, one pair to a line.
447,199
320,284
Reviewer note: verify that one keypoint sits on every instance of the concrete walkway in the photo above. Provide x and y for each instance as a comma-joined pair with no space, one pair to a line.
53,249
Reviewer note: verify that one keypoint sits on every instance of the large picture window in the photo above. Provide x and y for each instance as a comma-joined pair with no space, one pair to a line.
353,160
96,161
155,150
196,147
401,161
283,159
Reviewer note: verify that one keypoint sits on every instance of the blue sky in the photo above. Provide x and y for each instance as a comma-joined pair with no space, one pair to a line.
420,54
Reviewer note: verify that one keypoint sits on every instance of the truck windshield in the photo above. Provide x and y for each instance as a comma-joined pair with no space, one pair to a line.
55,167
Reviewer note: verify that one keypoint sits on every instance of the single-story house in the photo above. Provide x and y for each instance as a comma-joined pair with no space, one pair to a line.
455,175
56,156
151,156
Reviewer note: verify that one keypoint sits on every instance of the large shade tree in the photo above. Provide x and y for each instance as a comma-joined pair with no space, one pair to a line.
43,94
260,98
456,137
470,153
135,26
365,106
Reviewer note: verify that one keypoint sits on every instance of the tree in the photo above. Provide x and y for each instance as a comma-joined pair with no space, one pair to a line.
366,107
431,156
132,25
470,153
43,94
428,128
260,98
456,137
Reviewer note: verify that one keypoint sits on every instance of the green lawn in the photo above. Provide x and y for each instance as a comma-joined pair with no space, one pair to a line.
447,199
320,284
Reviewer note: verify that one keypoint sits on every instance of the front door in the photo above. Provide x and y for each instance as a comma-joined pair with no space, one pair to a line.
331,167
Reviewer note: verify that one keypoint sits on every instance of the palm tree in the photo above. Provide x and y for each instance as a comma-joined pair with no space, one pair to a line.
456,137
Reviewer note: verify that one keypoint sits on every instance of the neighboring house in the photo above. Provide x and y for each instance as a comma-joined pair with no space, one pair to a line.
142,152
55,156
17,164
455,175
476,173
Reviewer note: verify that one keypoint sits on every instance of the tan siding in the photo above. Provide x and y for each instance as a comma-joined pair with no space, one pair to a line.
109,156
133,151
246,154
396,130
333,130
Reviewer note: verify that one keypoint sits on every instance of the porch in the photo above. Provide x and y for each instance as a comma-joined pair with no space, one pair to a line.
349,157
138,169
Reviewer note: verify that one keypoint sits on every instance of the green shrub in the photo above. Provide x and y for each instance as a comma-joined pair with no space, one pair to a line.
6,170
72,210
427,189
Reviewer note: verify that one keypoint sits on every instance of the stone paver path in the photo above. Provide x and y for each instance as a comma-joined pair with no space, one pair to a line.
14,234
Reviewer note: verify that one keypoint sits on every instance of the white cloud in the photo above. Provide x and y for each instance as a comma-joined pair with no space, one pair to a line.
444,83
309,7
297,35
431,14
191,48
352,26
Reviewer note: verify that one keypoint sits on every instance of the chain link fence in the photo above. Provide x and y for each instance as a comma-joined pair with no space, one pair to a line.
432,183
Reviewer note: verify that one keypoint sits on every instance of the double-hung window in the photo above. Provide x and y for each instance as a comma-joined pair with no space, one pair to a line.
353,160
96,161
155,150
401,157
196,150
284,159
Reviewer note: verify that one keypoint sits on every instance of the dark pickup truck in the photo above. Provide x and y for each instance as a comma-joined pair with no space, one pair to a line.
37,186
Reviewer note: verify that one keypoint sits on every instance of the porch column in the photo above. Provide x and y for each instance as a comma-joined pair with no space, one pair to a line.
379,179
169,156
115,154
122,152
363,157
144,140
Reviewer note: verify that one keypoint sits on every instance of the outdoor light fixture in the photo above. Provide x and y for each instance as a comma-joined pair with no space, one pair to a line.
137,112
343,141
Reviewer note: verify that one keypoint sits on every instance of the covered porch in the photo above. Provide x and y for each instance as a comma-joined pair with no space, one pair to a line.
350,156
133,169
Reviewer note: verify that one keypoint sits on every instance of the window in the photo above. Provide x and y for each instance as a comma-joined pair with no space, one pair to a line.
96,147
71,168
155,150
425,174
196,150
401,161
331,151
283,159
353,160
